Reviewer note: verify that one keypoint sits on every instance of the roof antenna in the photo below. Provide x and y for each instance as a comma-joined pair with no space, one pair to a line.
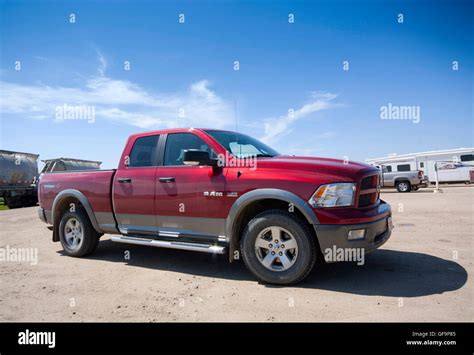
235,113
236,136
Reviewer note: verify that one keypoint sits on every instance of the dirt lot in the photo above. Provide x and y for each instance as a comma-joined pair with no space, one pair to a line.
420,274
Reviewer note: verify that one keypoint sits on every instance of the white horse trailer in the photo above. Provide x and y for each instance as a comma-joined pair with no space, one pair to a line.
459,171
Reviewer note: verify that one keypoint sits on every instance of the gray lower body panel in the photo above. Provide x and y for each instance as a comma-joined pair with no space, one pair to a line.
151,224
106,222
376,234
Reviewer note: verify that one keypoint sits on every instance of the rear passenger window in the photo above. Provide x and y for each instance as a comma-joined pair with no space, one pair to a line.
177,143
59,166
388,169
144,152
467,157
403,167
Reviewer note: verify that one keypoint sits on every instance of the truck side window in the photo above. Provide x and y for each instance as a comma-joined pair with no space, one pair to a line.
144,152
59,166
387,169
403,167
467,157
177,143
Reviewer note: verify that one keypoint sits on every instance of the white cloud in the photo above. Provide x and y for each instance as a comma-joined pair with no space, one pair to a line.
121,101
275,128
128,103
102,64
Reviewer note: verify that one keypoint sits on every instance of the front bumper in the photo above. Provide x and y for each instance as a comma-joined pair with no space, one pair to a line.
336,235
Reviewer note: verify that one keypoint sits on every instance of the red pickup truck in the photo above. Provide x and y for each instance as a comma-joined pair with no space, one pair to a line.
220,192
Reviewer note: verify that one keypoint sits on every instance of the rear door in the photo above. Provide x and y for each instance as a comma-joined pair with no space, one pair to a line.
134,187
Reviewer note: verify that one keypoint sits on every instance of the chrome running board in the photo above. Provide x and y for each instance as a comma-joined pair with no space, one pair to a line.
206,248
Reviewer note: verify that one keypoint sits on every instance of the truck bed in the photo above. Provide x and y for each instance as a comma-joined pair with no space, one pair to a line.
95,185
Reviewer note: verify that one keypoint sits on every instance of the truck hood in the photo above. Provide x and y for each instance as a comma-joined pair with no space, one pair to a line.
335,167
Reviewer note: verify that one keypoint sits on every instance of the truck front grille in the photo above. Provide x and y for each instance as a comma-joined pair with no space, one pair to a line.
367,183
369,191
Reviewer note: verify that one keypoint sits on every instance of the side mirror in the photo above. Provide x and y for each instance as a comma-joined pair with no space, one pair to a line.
194,157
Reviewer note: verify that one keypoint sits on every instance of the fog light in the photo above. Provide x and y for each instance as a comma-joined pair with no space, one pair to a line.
356,234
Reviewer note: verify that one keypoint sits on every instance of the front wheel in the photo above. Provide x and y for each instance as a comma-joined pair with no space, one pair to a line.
76,233
278,248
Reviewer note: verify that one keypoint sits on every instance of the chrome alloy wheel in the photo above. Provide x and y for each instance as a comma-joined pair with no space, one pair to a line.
403,186
276,248
73,233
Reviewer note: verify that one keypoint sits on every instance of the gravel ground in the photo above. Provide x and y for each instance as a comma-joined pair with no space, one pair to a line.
420,274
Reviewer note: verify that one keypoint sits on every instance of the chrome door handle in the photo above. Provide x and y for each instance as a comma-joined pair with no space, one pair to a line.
166,179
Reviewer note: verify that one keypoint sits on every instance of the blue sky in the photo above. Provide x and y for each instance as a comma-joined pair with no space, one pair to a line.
182,74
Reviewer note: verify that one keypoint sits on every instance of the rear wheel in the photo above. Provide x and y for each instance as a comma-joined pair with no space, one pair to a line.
403,186
78,237
13,202
278,248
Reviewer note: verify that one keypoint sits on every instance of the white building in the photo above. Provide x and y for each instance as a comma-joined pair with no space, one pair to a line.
463,159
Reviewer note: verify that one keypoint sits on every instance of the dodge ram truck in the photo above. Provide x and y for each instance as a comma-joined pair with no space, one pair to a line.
220,192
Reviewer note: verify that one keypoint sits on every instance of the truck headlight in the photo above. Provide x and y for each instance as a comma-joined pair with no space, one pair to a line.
334,195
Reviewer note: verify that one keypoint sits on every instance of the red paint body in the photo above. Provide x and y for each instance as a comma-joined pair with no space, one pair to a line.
299,175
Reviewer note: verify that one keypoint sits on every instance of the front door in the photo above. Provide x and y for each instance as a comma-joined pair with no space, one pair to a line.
189,199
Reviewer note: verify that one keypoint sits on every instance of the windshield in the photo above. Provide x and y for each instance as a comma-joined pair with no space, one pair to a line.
241,145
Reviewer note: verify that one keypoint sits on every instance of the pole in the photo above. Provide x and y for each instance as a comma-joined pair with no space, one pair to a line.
437,189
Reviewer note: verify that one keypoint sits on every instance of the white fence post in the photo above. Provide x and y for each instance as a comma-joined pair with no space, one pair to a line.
437,189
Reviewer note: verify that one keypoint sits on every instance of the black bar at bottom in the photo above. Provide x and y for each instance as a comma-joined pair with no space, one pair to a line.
256,337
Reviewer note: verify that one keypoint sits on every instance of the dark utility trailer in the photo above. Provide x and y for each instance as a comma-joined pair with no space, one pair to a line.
69,164
18,176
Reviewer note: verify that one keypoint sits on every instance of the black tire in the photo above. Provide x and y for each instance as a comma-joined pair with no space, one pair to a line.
13,202
306,247
403,186
90,238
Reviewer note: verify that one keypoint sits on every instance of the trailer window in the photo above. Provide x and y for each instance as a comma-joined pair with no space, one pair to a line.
422,165
144,152
403,167
467,157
